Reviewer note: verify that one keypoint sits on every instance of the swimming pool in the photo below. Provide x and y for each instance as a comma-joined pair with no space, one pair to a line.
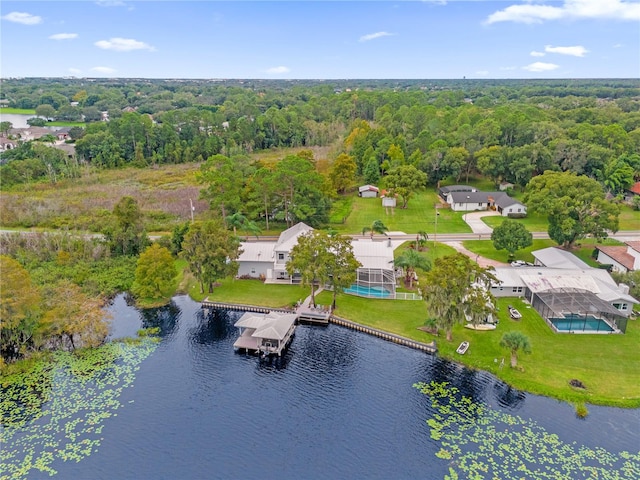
579,323
377,292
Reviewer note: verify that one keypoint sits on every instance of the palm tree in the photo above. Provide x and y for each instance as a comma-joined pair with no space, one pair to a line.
421,239
376,227
409,260
515,341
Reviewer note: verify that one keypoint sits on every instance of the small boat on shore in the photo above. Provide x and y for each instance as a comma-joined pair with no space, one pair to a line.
480,326
462,348
514,313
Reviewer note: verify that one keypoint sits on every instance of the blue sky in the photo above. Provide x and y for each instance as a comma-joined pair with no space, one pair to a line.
321,40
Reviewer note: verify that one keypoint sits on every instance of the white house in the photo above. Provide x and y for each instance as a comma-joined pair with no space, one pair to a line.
507,206
368,191
267,261
468,201
623,258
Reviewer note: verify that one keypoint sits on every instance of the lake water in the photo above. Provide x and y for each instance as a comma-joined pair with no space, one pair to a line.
17,120
340,405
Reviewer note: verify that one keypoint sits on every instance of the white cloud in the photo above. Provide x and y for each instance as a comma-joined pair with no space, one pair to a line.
541,67
618,45
277,70
572,9
537,54
106,70
576,51
75,71
23,18
123,45
508,68
373,36
63,36
482,73
110,3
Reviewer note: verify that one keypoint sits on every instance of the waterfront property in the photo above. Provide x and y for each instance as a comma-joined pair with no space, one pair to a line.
265,333
267,260
561,286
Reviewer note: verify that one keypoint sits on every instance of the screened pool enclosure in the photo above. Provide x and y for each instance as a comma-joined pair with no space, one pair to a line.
374,283
577,311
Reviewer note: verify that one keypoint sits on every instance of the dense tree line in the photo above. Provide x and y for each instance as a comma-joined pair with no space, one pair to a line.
506,130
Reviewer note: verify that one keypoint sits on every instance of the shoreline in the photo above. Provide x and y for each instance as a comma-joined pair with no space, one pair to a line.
579,400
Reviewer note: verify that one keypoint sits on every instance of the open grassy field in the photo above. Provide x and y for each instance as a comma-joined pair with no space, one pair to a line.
163,194
606,364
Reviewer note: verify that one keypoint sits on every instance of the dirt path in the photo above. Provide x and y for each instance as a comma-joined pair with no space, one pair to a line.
482,261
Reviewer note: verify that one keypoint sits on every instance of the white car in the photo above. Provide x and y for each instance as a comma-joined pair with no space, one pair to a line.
518,263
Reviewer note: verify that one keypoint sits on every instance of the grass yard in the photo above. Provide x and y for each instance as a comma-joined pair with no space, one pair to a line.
533,223
605,364
418,216
251,292
485,249
583,251
629,218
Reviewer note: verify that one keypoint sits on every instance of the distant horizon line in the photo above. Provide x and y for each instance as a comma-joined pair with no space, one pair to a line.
221,79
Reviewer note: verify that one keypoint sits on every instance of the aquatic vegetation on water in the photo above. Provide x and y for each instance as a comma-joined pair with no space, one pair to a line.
482,443
56,410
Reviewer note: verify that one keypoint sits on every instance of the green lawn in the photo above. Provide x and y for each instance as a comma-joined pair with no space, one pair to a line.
533,223
629,220
63,123
606,364
583,251
251,292
18,111
418,216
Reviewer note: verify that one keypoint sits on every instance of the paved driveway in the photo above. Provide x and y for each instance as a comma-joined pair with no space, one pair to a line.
474,220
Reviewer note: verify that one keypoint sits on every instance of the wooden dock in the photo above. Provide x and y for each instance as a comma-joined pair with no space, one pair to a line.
322,317
238,307
425,347
313,316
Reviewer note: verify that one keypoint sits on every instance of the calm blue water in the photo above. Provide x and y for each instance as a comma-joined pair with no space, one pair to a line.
340,405
586,324
377,292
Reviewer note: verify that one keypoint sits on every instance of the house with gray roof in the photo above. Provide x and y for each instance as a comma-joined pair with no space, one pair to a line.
444,191
468,201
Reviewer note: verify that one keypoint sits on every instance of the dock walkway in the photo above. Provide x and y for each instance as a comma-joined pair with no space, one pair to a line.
391,337
407,342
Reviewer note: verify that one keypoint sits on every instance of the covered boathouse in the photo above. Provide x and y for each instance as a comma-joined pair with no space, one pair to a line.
265,333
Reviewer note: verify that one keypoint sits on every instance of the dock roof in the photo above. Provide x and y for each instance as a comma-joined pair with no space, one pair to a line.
276,326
